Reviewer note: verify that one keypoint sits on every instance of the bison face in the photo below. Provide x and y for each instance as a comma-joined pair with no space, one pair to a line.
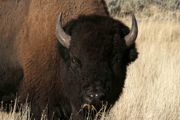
96,51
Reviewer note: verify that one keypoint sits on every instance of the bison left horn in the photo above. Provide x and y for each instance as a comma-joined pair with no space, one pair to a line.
62,37
131,37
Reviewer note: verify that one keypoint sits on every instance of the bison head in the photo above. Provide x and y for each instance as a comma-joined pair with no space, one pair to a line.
96,51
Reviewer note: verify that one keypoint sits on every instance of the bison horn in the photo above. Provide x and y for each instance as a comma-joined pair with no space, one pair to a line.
131,37
62,37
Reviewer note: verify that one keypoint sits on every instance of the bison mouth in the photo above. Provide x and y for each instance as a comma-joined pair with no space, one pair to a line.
93,111
89,107
92,104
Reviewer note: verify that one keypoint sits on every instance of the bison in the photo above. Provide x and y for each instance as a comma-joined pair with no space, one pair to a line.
64,55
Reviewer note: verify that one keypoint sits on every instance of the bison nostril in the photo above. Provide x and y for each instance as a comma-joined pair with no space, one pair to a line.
99,97
91,95
89,98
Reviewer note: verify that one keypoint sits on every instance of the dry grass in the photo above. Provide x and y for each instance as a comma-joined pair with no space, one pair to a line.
152,88
24,115
138,6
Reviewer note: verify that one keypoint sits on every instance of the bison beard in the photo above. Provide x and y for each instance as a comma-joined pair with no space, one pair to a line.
79,66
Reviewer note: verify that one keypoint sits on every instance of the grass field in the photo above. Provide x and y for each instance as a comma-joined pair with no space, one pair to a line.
152,87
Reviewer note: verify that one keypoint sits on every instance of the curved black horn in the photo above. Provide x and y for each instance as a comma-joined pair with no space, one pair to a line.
131,37
62,37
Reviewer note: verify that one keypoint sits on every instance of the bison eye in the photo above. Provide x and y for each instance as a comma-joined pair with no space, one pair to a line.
75,62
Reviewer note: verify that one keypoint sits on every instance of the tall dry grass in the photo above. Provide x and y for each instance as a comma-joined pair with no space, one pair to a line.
152,87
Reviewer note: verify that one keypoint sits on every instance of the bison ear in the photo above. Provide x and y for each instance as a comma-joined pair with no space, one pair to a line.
131,37
131,54
62,37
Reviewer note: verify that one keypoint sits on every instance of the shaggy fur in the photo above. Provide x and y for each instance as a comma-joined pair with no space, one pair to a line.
36,65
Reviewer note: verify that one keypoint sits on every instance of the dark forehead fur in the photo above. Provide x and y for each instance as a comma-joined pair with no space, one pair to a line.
91,21
95,33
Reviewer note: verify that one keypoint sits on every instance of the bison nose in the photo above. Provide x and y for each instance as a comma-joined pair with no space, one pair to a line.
95,98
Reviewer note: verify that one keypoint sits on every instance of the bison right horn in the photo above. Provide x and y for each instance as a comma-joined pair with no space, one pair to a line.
62,37
131,37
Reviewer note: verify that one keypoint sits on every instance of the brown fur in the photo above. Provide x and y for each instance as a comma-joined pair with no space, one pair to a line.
34,64
28,44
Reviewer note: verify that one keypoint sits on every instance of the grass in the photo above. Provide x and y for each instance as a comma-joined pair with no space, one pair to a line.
151,91
119,6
